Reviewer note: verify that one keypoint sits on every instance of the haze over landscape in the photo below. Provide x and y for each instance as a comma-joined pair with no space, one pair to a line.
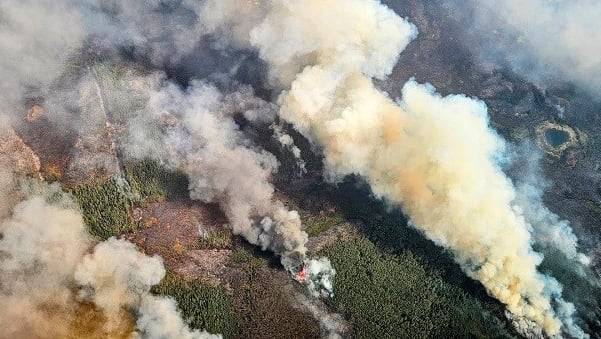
300,169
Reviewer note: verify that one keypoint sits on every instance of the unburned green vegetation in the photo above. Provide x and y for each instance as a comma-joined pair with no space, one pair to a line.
393,274
395,296
203,306
106,208
150,181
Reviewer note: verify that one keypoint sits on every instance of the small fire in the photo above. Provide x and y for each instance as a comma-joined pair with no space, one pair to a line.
301,275
34,113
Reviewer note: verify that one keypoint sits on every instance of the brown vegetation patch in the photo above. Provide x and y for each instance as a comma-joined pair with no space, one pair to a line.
171,228
209,264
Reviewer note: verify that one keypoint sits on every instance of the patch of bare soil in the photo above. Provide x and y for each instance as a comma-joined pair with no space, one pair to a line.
210,264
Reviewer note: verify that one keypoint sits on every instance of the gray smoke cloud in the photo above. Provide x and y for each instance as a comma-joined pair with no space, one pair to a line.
548,229
194,130
160,31
218,158
542,39
41,41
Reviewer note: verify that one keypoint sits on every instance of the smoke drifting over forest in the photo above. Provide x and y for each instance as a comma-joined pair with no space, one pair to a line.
435,157
542,39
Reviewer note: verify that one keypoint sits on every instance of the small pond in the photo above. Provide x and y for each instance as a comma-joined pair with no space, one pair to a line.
556,137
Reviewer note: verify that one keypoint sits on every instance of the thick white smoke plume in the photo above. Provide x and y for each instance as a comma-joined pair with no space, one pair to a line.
41,245
542,38
51,288
434,156
197,133
117,276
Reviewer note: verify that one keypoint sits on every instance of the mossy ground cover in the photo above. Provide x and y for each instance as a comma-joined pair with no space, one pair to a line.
322,223
216,239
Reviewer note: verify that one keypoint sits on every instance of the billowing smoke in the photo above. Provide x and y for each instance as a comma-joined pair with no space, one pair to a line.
542,39
195,131
221,162
41,245
116,276
51,287
434,156
287,142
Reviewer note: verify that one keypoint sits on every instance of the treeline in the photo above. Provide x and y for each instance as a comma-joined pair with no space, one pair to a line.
395,296
203,306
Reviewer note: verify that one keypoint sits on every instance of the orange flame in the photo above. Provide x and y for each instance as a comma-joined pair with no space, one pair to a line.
301,275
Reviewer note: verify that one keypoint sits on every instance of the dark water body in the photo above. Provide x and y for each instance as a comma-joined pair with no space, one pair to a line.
556,137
